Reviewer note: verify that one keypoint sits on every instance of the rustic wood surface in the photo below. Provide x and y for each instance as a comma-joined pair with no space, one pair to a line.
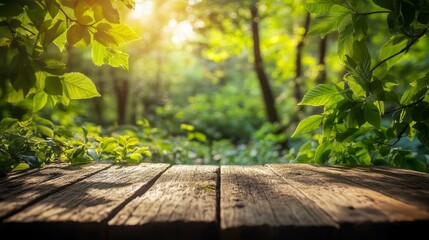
255,197
21,191
183,195
159,201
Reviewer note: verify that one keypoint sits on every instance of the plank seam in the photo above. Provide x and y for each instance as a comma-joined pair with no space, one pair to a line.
41,197
218,184
142,190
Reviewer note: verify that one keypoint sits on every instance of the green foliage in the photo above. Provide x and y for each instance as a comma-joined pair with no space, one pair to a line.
354,107
32,33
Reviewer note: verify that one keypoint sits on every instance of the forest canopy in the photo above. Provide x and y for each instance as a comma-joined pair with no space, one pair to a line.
214,82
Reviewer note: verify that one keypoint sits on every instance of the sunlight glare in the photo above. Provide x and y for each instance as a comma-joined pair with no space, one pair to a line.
182,31
142,8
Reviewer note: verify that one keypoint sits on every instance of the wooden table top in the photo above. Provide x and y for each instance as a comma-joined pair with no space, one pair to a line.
162,201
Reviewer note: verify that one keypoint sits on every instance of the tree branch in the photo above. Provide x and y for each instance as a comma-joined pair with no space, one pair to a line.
402,50
406,106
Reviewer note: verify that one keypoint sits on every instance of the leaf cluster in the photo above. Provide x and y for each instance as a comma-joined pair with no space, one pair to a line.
354,107
33,33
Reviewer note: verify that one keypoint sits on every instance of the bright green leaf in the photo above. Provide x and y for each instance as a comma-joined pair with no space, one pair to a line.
58,28
78,86
322,153
345,41
391,47
328,22
320,95
122,33
111,14
40,99
46,131
309,124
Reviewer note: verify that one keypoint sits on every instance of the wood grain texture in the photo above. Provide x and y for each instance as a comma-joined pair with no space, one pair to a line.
180,205
408,186
21,191
255,203
361,212
82,210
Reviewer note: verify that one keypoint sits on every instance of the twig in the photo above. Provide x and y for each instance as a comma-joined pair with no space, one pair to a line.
402,50
406,106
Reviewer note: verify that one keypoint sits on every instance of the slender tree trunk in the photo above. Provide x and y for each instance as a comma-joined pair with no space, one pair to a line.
298,63
121,87
322,55
259,67
98,102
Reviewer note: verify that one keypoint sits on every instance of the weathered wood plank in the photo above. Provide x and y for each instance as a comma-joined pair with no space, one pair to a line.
362,212
16,193
258,204
18,174
407,186
82,210
180,205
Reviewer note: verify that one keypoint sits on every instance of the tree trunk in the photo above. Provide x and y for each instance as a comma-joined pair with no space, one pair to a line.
298,63
98,102
121,87
259,68
322,55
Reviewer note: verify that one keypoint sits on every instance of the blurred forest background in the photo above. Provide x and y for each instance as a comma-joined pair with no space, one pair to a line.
214,82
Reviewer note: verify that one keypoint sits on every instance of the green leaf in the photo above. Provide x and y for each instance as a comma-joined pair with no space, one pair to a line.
372,114
319,6
328,22
122,33
36,12
99,53
74,34
320,95
60,41
394,45
53,8
322,153
360,27
350,134
362,57
54,67
421,82
105,39
187,127
53,85
388,4
8,123
118,59
111,14
422,134
40,99
5,42
23,76
21,167
134,157
55,31
78,86
309,124
345,41
45,131
104,55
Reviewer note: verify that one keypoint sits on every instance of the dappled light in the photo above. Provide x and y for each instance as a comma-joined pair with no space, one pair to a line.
214,82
